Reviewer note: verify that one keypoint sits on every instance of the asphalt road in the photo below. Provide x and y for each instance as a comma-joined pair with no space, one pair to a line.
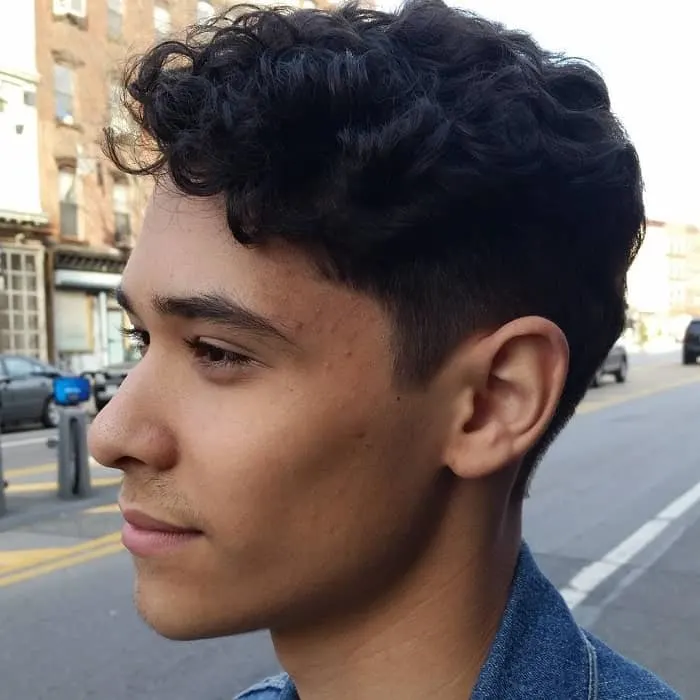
603,519
26,448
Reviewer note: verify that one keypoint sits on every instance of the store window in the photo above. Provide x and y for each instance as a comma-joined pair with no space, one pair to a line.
22,328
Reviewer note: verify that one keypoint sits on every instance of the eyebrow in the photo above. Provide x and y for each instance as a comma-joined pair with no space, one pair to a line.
213,307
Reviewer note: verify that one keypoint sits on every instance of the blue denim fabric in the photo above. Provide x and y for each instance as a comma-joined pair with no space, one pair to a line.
540,653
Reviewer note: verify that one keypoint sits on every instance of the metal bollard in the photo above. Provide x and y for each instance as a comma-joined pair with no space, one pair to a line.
3,483
3,486
73,458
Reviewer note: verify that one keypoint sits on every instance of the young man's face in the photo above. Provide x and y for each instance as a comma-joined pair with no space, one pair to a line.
303,470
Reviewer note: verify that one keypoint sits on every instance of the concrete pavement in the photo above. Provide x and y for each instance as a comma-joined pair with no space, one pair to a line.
29,466
69,630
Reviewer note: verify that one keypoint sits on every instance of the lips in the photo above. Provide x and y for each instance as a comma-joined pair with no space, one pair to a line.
146,536
142,521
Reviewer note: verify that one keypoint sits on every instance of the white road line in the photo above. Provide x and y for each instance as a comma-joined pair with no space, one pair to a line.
27,441
592,575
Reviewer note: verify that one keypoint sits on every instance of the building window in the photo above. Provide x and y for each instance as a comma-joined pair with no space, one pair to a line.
161,22
205,11
68,199
72,8
122,213
22,327
64,84
115,18
114,102
118,117
72,315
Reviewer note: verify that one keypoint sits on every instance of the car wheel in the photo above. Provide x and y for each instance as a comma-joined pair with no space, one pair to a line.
597,379
689,358
621,373
50,416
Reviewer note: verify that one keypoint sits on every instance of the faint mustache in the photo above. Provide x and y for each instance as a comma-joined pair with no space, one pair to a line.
157,495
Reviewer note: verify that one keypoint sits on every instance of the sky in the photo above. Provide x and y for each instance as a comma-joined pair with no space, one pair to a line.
649,55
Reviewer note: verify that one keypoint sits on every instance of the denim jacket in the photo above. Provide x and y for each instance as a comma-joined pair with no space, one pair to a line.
539,653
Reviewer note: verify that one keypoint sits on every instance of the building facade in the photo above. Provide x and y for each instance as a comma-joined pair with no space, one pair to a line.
94,211
664,280
23,223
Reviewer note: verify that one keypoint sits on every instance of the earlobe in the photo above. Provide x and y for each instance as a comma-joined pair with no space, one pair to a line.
522,369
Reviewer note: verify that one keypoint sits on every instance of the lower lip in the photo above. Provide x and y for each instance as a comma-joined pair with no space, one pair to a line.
147,543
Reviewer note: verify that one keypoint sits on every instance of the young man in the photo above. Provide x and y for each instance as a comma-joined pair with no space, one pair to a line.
384,257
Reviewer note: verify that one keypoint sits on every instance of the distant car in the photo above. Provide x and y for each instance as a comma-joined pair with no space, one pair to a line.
615,364
26,391
691,343
108,380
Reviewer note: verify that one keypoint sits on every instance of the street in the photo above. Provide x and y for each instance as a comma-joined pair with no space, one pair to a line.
613,519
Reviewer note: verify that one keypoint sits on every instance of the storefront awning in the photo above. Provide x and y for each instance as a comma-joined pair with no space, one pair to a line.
78,258
23,219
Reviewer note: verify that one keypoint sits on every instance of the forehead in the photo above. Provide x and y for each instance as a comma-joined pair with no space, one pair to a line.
185,242
186,247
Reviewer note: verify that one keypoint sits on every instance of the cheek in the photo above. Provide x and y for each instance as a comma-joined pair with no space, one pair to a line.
307,482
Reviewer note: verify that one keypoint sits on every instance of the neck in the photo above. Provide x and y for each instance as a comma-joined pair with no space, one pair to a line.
430,635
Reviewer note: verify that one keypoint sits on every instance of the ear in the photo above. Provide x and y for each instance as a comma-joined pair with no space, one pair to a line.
509,384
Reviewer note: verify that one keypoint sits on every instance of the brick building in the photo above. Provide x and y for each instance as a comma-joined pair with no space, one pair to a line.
94,211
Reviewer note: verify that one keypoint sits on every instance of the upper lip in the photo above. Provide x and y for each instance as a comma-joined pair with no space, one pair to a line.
142,521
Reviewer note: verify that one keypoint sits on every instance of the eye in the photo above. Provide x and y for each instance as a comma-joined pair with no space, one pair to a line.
139,338
215,356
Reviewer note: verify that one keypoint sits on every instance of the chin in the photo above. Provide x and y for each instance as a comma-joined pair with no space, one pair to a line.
186,615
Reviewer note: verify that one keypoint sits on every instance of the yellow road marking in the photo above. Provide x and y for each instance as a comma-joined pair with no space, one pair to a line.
38,469
27,471
107,508
65,563
12,561
40,486
17,559
642,393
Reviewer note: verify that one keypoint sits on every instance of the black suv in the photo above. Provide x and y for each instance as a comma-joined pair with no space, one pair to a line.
691,343
107,380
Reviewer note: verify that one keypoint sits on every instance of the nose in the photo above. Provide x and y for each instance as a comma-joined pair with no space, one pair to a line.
132,429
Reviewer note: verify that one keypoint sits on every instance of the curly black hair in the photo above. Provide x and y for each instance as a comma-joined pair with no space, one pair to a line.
447,166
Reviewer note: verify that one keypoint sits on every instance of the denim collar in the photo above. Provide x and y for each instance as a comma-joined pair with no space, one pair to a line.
539,650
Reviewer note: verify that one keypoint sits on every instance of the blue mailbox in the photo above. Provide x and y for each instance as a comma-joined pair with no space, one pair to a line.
70,391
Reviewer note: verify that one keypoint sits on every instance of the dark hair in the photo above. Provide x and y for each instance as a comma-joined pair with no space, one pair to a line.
449,167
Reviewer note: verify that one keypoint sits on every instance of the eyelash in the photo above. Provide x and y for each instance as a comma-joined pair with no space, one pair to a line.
224,358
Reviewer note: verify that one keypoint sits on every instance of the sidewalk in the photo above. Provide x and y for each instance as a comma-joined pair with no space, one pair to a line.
32,494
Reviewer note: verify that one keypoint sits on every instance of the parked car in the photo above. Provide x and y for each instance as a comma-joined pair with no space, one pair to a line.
615,364
26,391
691,342
108,380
